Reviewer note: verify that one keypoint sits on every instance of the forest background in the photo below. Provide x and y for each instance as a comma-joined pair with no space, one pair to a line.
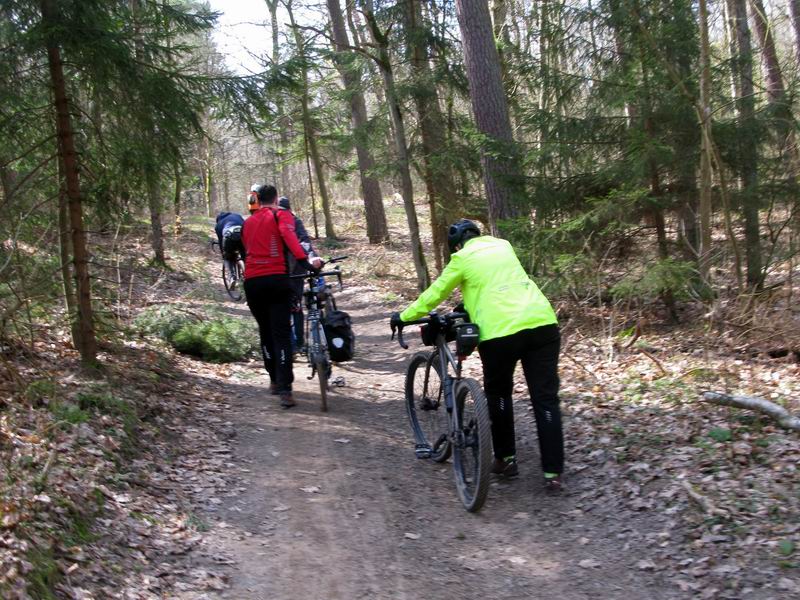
636,152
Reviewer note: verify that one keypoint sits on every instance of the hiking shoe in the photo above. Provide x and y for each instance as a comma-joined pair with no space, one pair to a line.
553,485
273,389
506,468
287,401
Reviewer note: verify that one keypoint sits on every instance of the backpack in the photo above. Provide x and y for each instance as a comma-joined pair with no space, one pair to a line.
231,241
339,333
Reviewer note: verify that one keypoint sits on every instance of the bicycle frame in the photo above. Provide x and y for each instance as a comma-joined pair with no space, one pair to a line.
318,299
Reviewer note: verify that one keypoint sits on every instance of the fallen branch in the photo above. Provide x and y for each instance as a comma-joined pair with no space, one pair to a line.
703,502
661,368
777,412
578,363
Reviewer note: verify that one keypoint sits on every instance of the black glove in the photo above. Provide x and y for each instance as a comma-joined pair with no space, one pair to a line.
308,266
395,322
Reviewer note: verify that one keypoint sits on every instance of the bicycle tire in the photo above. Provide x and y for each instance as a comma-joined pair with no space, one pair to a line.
232,285
431,427
472,447
323,368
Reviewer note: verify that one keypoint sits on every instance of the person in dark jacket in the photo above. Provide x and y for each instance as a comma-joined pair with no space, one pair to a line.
268,236
296,268
229,236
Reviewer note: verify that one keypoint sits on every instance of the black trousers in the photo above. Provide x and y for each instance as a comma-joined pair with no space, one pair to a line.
270,300
537,349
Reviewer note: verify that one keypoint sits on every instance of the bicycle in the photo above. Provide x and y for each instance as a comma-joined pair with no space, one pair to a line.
319,301
232,274
431,394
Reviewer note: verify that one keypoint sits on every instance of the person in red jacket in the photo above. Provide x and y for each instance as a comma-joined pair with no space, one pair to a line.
267,237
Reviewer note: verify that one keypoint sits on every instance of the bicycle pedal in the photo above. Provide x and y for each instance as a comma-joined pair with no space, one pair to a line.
339,382
422,451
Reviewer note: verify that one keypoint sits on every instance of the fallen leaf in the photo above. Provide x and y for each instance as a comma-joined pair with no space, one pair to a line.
342,440
646,565
412,536
281,508
589,563
311,489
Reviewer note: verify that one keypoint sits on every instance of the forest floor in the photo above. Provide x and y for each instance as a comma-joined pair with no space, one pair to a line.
216,492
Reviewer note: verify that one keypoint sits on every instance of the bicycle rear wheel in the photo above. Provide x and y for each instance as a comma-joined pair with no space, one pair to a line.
233,280
323,367
425,405
472,446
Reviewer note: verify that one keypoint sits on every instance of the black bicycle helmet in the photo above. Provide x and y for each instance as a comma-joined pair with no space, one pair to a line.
283,202
458,230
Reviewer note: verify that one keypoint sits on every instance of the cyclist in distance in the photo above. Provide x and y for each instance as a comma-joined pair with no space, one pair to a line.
296,268
229,236
268,237
517,324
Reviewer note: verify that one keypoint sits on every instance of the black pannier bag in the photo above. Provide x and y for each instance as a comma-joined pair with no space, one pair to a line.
340,336
231,241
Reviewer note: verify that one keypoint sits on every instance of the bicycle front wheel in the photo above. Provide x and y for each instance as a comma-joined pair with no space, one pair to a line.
425,405
472,444
232,280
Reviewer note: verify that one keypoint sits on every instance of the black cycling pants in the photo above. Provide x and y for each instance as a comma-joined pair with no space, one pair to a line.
537,349
270,300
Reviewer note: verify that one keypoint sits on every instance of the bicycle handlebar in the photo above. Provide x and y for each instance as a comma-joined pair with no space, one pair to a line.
335,273
449,317
400,340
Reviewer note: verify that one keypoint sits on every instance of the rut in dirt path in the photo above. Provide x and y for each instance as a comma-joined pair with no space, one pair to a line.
335,506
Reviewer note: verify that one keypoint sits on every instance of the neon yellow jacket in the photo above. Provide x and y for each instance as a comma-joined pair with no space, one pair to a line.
498,294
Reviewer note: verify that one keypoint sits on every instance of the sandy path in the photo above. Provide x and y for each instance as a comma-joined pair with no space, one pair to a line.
320,504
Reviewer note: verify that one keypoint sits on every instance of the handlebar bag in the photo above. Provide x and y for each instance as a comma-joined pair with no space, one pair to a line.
339,334
429,332
467,338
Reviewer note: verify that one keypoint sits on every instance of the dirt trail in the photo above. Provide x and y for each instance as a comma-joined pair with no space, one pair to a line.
335,506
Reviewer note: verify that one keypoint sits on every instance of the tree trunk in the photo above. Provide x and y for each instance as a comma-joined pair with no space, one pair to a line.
283,122
380,41
439,181
178,228
355,26
311,139
156,228
88,341
742,69
776,91
311,188
794,7
705,152
208,175
377,230
65,254
489,105
502,41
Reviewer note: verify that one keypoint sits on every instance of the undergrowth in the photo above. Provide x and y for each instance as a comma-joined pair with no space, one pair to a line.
215,338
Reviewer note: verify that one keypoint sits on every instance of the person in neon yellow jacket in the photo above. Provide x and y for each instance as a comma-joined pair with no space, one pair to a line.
517,324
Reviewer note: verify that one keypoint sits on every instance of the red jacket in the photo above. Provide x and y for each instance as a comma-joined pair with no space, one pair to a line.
266,236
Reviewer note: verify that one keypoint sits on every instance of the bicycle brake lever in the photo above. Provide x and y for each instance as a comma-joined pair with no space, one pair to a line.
400,339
